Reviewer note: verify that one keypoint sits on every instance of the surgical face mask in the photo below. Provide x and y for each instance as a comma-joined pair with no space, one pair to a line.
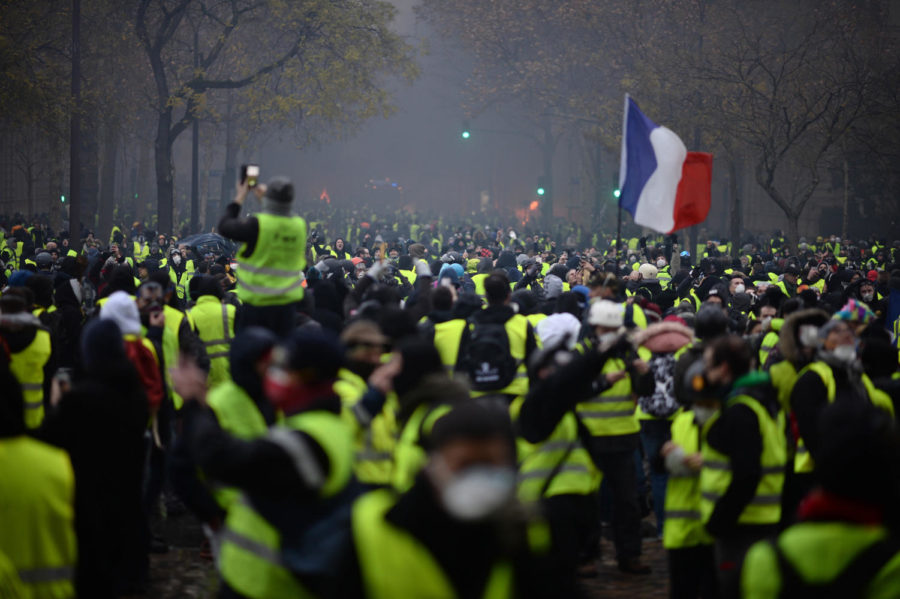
867,297
844,353
606,339
740,288
703,414
809,335
660,264
478,492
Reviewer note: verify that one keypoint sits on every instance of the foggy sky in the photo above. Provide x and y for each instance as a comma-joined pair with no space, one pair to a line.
419,146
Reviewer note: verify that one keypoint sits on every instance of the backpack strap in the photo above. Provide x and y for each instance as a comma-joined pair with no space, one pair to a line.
851,582
558,467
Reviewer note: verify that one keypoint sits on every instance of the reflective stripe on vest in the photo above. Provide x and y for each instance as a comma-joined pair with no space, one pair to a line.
715,476
374,437
384,550
561,456
683,526
238,415
447,336
803,461
37,523
409,455
613,412
213,320
249,559
517,333
27,366
272,274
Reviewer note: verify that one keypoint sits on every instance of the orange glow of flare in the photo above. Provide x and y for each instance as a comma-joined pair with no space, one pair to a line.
534,205
324,196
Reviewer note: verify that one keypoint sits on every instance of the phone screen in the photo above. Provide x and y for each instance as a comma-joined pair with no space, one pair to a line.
252,175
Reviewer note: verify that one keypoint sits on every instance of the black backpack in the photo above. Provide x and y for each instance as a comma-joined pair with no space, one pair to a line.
484,356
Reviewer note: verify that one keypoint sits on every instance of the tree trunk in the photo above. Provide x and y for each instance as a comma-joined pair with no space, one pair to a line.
90,168
846,211
734,172
75,132
792,235
142,186
165,184
229,172
108,180
29,187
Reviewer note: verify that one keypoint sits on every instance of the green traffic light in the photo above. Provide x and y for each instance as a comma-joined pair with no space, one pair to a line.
62,199
466,135
541,191
617,193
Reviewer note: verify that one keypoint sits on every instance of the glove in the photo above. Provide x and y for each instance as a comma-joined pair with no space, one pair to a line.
376,270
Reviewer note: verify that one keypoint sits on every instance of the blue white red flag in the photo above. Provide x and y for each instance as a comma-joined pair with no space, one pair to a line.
663,186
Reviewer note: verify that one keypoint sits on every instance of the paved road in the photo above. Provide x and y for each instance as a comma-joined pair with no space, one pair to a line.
182,572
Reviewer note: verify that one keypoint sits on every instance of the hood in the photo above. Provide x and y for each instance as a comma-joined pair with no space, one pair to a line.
664,337
246,349
122,309
506,260
553,286
102,349
788,341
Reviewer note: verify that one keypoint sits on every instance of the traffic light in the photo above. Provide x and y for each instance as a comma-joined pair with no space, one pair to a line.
541,185
62,199
465,134
617,193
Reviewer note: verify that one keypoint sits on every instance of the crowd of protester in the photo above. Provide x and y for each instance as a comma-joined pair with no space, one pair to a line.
357,404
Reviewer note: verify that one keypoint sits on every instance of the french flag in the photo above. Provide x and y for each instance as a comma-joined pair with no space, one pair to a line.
663,186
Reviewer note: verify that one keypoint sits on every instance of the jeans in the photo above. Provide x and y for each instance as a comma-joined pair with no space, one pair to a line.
654,434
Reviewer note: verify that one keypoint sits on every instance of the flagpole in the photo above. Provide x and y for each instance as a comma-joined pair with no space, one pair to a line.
622,166
618,236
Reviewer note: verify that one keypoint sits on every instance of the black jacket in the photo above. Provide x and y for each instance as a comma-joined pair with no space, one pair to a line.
736,434
465,552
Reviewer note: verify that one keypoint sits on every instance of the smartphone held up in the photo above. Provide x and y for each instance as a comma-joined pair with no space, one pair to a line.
250,174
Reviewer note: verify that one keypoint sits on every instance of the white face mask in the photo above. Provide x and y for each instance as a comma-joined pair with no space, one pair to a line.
867,297
703,414
478,492
660,264
739,288
176,258
606,339
844,353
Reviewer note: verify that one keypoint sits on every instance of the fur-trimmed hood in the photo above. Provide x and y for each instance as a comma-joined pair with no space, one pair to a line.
788,341
664,337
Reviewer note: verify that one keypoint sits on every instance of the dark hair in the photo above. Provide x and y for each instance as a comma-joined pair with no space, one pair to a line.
496,289
474,421
733,351
442,299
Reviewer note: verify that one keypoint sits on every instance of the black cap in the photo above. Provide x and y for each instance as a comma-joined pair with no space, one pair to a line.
281,190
